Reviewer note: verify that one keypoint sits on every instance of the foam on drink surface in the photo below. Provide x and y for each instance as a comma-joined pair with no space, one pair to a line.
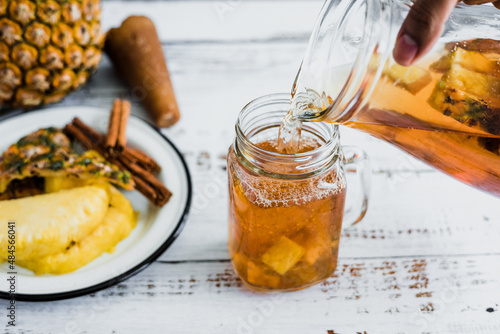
267,192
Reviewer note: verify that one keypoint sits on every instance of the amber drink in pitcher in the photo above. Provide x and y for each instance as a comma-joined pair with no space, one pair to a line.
286,210
444,109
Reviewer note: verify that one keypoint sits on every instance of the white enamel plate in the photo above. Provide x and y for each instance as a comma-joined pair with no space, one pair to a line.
156,228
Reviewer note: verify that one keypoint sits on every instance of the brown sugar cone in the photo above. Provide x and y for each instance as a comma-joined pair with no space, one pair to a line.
135,50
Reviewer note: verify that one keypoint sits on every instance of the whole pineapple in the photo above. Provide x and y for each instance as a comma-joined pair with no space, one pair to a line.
47,49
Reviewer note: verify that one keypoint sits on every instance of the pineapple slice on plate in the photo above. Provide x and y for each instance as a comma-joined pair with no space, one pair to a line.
61,40
116,225
59,219
48,153
54,184
412,78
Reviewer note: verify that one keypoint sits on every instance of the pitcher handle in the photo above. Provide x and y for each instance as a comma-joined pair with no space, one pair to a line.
355,159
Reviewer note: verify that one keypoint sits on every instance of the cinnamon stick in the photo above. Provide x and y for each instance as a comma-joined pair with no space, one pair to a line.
114,125
149,186
145,189
97,138
122,130
133,154
142,159
146,183
79,136
146,176
116,139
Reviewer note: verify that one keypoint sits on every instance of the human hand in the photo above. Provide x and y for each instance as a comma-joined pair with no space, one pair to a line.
423,27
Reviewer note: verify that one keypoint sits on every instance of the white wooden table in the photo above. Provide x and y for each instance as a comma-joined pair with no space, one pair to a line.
426,259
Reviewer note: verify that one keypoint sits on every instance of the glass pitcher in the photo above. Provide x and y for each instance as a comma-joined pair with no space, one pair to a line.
444,110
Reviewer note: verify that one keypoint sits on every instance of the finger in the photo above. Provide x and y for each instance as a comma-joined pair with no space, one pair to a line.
421,29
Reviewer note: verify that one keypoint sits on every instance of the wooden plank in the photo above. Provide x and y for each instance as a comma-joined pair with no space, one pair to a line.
457,294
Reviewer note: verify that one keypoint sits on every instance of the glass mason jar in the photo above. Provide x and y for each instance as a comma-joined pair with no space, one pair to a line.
286,210
444,110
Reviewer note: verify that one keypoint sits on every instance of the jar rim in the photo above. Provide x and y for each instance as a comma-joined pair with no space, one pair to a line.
279,98
302,164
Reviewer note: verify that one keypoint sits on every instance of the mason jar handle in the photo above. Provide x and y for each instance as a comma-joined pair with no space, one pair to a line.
355,159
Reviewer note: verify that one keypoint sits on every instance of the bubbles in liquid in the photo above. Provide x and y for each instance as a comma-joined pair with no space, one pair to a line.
266,192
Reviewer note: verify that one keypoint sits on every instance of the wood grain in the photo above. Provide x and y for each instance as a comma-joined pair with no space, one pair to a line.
392,295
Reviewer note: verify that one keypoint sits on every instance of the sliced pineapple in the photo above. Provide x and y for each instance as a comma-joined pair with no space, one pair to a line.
412,78
465,109
482,86
116,225
48,153
54,184
283,255
47,224
471,60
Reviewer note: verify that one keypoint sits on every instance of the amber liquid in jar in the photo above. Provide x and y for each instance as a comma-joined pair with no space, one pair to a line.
284,234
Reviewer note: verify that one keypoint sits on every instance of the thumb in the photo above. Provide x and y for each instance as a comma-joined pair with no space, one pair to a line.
421,29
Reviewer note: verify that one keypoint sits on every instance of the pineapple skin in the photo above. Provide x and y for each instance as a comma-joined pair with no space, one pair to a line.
47,49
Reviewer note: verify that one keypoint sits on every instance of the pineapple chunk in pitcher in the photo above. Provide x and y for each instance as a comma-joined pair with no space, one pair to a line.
471,60
466,91
465,109
483,86
412,78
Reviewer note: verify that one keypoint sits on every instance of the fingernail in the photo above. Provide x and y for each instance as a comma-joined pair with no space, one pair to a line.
405,50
